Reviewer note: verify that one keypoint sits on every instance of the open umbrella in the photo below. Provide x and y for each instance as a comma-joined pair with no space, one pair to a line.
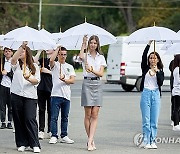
36,41
159,34
73,37
174,49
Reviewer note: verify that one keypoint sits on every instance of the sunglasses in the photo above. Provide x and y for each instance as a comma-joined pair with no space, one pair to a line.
63,54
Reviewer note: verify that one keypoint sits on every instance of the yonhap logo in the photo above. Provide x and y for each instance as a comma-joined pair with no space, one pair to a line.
138,139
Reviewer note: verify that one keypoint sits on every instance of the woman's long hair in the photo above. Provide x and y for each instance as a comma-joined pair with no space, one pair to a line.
159,64
176,61
98,49
29,61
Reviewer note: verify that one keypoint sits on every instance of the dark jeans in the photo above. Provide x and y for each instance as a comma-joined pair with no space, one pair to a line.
44,98
5,99
24,115
176,110
58,103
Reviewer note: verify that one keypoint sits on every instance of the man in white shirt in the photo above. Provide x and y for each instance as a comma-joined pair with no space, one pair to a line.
63,75
6,76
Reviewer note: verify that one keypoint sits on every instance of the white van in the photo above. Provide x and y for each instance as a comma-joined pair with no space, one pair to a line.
124,63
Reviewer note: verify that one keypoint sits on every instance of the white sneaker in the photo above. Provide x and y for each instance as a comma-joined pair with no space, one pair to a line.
36,150
147,146
41,135
153,146
172,123
176,128
47,135
67,140
53,140
21,148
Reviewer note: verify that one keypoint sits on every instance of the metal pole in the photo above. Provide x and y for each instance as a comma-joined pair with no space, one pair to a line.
40,9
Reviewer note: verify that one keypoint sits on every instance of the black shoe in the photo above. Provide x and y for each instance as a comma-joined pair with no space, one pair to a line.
9,126
3,126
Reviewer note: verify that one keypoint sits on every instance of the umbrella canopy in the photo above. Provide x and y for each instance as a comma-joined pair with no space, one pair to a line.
159,34
36,41
73,37
173,50
57,36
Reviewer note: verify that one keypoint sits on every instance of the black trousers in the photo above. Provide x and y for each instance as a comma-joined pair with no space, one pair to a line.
5,99
172,107
44,98
24,115
176,110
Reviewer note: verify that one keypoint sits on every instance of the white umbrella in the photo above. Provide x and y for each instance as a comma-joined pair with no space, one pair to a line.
36,41
174,49
159,34
57,36
73,37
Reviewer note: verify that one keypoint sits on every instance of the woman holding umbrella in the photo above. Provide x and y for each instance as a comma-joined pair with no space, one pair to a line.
24,98
176,92
152,80
91,96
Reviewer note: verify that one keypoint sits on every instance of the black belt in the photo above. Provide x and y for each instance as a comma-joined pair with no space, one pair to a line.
92,78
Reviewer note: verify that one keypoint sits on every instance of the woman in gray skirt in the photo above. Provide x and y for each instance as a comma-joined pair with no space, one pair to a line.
93,63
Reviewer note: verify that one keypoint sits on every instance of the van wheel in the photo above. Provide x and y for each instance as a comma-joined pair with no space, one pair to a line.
138,83
127,87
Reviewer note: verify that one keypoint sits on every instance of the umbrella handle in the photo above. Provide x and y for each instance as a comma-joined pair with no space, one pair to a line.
24,68
43,60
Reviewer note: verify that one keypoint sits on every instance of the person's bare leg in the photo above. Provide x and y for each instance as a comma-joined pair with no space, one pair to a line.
93,125
87,118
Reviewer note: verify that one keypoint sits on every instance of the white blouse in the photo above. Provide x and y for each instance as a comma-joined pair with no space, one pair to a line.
60,88
96,63
20,86
176,83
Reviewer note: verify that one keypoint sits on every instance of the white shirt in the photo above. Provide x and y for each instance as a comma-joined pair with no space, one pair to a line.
60,88
6,81
150,82
96,63
20,86
176,83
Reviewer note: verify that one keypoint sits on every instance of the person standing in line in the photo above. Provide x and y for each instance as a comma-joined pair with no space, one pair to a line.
152,80
63,75
5,79
171,87
44,92
93,63
176,92
24,98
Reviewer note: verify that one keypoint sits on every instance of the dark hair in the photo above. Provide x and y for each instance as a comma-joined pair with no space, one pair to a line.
7,49
176,61
159,64
63,48
94,37
29,61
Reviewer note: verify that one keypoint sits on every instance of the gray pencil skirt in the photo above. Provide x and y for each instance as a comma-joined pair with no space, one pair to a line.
91,94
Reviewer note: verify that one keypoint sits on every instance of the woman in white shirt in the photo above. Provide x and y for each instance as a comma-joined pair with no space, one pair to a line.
91,96
24,98
176,92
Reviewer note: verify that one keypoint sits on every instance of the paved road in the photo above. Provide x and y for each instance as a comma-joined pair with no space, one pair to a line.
119,122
